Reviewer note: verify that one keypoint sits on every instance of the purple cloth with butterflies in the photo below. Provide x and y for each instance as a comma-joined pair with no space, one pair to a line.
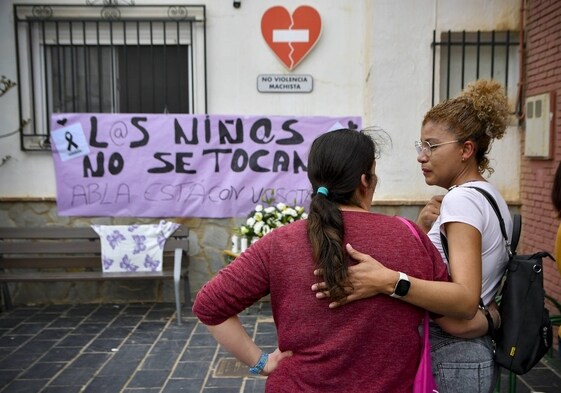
133,248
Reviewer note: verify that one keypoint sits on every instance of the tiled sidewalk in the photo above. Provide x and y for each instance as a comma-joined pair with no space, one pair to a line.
139,348
118,348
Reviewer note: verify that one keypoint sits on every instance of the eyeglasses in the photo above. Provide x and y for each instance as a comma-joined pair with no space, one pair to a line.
427,148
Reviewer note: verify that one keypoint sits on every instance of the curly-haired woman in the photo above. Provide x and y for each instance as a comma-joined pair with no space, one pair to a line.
456,136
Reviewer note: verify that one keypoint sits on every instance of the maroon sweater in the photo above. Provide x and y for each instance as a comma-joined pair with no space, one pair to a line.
370,345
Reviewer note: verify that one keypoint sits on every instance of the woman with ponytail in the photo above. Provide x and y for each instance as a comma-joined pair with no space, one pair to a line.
368,346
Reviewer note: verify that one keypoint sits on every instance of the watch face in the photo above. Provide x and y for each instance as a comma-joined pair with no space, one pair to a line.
402,287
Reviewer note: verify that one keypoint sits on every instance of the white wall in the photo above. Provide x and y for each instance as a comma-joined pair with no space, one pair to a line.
373,59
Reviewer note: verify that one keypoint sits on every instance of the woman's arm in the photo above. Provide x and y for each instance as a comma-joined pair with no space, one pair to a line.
475,327
464,328
459,298
233,337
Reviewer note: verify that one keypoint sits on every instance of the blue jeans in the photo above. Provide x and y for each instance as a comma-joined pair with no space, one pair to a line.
462,365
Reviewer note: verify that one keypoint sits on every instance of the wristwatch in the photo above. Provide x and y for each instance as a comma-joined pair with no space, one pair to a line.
402,286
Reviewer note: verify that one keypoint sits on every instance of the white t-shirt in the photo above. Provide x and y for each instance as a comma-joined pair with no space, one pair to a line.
466,205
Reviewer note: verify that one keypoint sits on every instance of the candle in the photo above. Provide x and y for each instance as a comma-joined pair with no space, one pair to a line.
244,243
235,244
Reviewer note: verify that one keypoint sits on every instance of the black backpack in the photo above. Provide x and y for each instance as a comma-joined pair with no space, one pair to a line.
525,334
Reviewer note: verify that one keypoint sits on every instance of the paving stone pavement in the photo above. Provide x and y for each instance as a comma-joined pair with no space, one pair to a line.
129,348
139,348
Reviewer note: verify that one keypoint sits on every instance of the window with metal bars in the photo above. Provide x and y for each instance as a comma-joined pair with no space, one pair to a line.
462,57
107,59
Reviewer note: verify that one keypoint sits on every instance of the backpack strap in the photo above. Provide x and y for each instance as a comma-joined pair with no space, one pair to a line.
517,222
495,207
516,228
511,249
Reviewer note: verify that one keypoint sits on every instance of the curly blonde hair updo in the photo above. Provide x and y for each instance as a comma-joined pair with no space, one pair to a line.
478,114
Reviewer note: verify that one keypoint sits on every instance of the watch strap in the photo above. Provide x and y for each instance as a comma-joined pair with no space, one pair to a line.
402,276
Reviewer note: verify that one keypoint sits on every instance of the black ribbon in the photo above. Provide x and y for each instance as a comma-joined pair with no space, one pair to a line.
70,139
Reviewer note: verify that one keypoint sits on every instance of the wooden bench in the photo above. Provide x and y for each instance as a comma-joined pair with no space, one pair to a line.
74,254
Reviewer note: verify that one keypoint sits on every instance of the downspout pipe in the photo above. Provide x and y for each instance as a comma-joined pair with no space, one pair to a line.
520,108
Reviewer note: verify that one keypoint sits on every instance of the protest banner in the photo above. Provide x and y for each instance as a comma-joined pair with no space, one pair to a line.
166,165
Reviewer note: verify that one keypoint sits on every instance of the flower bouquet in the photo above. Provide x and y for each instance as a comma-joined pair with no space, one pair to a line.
263,220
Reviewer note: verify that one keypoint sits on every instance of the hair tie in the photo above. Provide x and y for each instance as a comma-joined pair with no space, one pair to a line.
323,191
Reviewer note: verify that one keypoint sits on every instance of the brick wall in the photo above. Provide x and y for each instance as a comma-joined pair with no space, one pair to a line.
543,75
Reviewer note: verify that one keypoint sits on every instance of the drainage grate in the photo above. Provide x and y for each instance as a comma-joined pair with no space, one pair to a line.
230,367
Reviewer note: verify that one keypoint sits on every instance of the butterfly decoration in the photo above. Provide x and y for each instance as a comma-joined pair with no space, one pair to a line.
151,264
127,265
115,238
139,243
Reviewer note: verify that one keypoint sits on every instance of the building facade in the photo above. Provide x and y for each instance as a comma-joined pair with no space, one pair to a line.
387,62
542,81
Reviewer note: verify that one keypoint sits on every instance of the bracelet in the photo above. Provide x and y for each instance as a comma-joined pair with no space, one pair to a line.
260,365
490,324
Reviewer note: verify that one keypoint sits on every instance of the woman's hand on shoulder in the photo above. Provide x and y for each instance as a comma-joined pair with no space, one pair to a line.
367,278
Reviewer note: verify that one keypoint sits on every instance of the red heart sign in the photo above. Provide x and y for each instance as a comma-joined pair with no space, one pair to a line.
291,37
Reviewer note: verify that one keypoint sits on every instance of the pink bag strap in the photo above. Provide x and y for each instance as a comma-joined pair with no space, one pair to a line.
424,380
426,340
411,227
426,319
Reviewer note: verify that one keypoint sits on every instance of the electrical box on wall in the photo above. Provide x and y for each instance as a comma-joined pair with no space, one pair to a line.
539,116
